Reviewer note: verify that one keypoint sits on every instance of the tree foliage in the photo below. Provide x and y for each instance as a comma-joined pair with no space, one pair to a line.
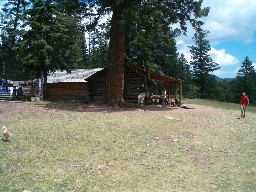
150,41
183,72
96,51
40,35
246,79
139,32
50,42
11,33
202,63
150,19
246,69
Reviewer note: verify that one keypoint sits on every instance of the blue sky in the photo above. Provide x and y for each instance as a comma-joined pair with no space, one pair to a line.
232,36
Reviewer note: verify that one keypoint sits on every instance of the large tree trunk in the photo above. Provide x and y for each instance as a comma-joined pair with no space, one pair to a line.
115,70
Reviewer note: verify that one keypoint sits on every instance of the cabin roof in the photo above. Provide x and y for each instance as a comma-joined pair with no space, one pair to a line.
154,75
82,75
149,75
76,75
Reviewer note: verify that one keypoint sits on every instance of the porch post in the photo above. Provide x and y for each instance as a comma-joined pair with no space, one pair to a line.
180,92
169,85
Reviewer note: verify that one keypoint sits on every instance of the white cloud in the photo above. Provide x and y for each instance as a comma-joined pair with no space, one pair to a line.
227,20
218,56
183,48
228,63
231,19
223,58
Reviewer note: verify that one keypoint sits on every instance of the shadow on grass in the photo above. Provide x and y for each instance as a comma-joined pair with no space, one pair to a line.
102,108
5,140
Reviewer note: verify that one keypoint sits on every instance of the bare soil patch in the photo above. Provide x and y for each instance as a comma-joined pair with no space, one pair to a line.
28,108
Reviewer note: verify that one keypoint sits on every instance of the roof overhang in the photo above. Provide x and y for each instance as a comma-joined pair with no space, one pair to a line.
155,76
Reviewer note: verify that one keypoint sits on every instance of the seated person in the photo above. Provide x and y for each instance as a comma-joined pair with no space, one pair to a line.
176,102
143,94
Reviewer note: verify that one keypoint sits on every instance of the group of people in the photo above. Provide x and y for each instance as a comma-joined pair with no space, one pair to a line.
146,97
244,100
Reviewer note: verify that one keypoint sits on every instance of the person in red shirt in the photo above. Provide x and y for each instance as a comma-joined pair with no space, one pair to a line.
244,101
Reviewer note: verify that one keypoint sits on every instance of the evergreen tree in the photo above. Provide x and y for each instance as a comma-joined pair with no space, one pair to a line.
150,42
124,14
16,30
97,54
74,53
246,80
1,63
11,33
202,64
233,91
247,68
75,31
184,73
47,44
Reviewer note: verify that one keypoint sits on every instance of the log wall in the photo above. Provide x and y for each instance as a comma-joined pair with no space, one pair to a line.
67,91
132,81
97,86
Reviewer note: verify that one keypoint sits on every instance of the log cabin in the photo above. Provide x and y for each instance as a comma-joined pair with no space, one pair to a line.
89,85
157,85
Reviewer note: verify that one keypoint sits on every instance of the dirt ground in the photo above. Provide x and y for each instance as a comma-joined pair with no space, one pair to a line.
8,108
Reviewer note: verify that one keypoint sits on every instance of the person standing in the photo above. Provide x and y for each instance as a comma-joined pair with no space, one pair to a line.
244,102
11,92
143,93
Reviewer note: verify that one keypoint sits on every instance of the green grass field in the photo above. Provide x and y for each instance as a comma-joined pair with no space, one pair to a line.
222,105
54,148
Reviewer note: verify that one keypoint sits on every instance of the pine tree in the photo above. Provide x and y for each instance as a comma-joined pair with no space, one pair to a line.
246,69
11,34
246,79
97,53
185,75
124,15
1,64
48,44
75,31
150,42
202,64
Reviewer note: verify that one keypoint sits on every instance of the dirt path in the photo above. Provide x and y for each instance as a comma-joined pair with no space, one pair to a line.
8,108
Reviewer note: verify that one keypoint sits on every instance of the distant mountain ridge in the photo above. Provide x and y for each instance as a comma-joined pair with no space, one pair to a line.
224,79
